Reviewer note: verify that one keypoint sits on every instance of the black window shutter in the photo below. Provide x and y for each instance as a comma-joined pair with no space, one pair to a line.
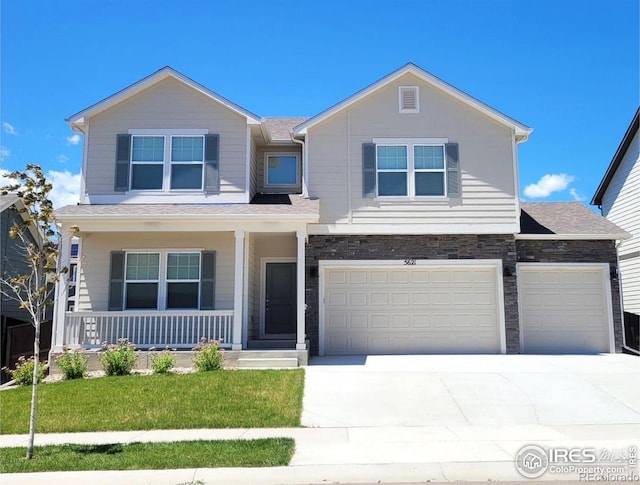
454,184
116,281
368,170
212,163
208,280
123,159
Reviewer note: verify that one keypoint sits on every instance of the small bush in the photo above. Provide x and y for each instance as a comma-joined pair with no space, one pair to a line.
208,355
119,359
23,373
74,364
163,362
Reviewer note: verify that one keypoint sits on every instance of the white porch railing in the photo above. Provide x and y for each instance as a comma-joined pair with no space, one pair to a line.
148,329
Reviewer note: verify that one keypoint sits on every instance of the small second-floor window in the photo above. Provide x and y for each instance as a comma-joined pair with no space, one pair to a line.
187,156
147,162
282,170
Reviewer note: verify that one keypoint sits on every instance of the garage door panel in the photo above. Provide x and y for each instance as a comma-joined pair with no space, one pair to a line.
564,309
415,309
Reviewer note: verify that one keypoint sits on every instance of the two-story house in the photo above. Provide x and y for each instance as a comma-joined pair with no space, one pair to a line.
389,223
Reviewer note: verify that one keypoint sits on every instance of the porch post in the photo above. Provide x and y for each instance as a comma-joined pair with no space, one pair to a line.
238,295
300,267
60,301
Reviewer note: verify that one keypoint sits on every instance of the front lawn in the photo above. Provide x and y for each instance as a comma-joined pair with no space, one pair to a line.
224,399
150,456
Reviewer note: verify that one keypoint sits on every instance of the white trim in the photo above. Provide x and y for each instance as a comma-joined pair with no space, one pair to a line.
168,197
400,263
83,173
247,175
418,229
245,290
168,131
263,293
516,178
401,90
604,267
238,286
301,305
405,140
265,180
522,131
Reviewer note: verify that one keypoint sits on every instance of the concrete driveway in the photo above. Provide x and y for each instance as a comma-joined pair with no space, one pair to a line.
473,390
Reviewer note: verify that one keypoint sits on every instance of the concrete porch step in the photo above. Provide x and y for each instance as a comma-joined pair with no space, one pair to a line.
267,362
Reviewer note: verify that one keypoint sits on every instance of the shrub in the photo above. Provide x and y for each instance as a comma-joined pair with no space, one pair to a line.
23,373
73,363
208,355
163,362
119,359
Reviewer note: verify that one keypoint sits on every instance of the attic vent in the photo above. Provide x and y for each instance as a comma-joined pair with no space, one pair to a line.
408,99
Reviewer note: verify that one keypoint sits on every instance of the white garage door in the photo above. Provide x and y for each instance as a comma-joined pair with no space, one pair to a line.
411,309
564,309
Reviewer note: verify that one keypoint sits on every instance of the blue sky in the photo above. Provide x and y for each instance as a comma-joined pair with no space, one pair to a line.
567,68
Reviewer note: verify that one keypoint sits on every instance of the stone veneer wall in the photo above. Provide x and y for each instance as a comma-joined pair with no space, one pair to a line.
346,247
577,251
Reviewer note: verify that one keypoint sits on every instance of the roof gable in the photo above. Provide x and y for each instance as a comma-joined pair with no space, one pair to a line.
78,120
617,159
522,131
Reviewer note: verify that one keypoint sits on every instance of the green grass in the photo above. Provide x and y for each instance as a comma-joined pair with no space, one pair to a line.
150,456
225,399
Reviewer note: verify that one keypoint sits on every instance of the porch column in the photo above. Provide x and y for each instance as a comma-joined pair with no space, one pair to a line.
60,299
238,294
300,279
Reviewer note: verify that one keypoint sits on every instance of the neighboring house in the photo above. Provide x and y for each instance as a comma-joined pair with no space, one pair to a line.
389,223
618,197
17,331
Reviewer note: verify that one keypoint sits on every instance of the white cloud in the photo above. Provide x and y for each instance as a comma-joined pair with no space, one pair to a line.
9,128
548,184
4,153
66,188
73,139
62,158
574,193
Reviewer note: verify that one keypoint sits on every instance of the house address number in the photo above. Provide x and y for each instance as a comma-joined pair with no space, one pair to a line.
410,262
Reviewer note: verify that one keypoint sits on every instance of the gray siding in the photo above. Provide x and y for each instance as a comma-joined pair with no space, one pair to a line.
166,105
13,263
486,159
621,205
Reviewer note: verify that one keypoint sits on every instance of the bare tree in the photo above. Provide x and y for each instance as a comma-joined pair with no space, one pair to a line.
33,290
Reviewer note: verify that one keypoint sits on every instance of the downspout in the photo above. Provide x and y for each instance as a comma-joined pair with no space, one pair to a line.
303,178
624,334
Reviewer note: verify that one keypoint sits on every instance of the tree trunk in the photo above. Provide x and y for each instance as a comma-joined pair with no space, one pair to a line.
34,388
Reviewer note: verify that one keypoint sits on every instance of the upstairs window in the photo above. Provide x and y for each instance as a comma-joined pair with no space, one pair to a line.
147,162
408,99
187,156
164,160
410,168
282,170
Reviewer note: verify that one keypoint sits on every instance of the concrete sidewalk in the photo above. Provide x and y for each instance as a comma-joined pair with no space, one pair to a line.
351,455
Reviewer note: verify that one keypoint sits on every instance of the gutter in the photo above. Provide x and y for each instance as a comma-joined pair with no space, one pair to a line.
305,190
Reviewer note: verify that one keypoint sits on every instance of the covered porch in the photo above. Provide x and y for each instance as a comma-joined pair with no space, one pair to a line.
167,276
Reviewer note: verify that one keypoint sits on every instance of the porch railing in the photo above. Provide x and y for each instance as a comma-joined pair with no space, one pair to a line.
148,329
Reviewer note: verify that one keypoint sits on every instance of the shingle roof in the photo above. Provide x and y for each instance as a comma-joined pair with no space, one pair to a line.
566,218
280,127
293,206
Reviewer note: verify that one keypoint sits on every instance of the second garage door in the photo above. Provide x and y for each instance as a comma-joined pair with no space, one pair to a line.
412,309
564,308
